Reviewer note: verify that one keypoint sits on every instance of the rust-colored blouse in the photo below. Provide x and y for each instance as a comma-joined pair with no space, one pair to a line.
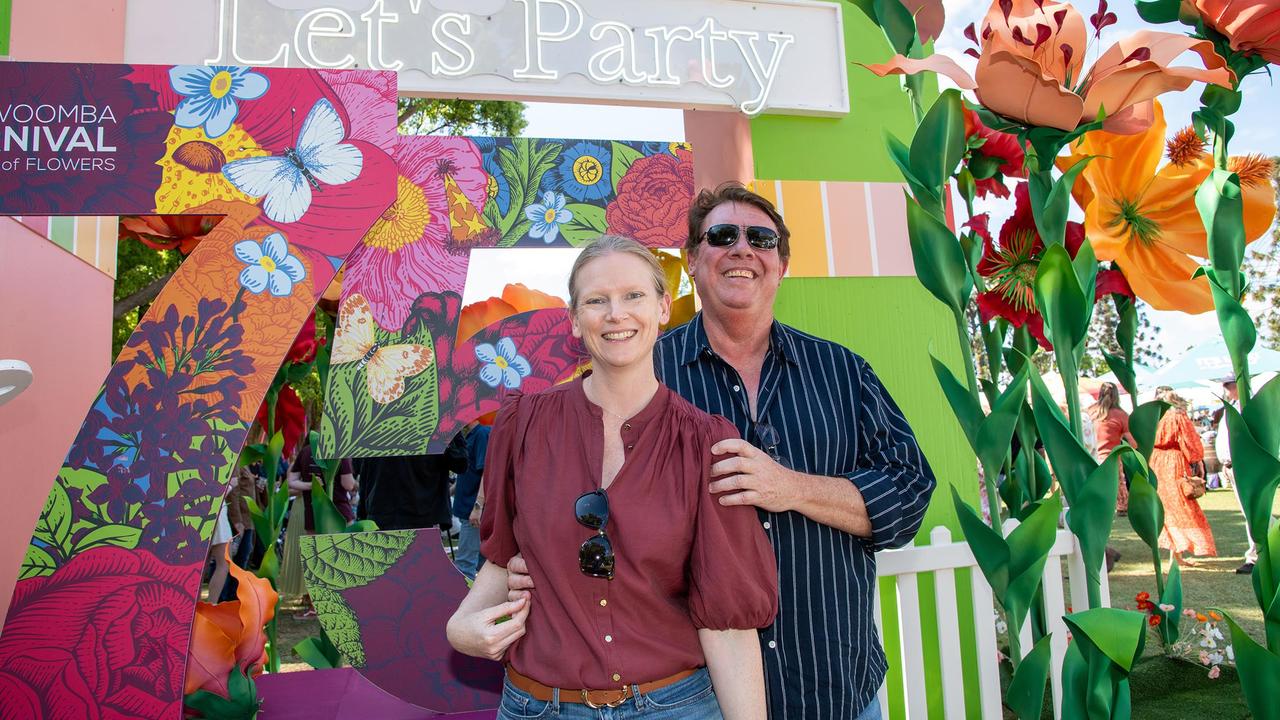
683,561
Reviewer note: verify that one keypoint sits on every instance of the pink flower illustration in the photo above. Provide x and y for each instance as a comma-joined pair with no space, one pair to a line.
418,245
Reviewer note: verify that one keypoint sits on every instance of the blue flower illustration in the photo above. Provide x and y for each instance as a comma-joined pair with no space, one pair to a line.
211,94
271,267
584,172
502,364
548,216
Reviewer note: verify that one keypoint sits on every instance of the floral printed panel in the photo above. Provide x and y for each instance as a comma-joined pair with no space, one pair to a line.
101,618
455,194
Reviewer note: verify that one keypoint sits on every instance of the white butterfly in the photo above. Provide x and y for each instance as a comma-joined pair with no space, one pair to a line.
286,180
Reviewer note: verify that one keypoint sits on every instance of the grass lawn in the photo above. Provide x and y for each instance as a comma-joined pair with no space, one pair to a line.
1165,689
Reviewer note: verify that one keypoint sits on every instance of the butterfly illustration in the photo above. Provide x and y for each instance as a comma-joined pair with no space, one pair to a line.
386,366
287,180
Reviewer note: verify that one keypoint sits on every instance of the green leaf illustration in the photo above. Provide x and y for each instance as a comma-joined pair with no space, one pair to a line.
587,224
124,536
54,525
36,563
624,156
350,560
339,623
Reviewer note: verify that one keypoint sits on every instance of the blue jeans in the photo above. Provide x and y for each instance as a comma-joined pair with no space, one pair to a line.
467,557
871,711
689,699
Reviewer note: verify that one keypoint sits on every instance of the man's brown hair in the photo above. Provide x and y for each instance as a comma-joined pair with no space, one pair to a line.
733,192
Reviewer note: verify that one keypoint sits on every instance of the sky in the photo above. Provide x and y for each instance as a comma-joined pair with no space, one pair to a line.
1257,130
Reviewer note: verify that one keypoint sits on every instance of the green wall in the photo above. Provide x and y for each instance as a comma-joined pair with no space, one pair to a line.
6,13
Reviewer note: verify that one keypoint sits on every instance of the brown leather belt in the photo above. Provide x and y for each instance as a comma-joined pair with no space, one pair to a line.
591,698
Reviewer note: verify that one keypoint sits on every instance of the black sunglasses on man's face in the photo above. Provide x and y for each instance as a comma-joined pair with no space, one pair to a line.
726,234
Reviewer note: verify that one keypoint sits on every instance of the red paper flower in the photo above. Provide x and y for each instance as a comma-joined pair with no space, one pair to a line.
997,146
105,636
306,344
653,200
1010,266
291,418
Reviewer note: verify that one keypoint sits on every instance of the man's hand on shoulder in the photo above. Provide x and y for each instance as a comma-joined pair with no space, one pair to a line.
750,477
519,582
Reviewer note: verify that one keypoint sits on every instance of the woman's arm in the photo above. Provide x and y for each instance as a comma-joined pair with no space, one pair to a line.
737,672
474,628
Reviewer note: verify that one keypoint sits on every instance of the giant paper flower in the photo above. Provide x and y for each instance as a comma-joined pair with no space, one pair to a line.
1146,219
412,248
1252,26
997,148
1031,68
211,93
1010,264
230,634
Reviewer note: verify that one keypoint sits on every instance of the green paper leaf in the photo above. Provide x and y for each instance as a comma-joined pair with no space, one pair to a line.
990,550
309,649
938,258
1123,372
269,568
1221,207
327,518
350,560
1146,512
1158,11
997,429
1224,100
1025,696
1171,620
1258,669
928,197
1053,199
242,702
1119,635
624,156
897,23
938,144
1143,424
1262,415
339,622
36,563
1029,546
1238,330
1075,683
963,406
1072,463
1064,305
1257,475
1093,511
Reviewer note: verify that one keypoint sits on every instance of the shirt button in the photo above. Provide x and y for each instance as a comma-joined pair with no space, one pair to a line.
737,388
603,602
773,644
616,677
608,638
767,525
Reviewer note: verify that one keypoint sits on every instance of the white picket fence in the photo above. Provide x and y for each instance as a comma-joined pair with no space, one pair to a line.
941,558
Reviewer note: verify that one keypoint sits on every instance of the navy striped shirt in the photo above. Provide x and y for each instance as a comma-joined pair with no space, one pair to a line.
832,417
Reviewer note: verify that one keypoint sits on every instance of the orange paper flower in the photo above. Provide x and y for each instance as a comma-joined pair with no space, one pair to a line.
1146,219
1252,26
230,634
516,299
1031,68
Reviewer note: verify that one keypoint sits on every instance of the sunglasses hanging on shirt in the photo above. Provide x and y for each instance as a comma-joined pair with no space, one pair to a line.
595,557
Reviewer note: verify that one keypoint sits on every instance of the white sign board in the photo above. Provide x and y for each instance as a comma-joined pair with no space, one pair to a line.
784,56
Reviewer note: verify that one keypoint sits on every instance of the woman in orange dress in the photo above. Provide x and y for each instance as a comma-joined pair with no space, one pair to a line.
1179,453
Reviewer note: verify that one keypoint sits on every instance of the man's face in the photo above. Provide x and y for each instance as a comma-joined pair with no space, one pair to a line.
738,277
1233,392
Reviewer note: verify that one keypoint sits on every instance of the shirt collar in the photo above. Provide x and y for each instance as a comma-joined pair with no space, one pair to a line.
696,344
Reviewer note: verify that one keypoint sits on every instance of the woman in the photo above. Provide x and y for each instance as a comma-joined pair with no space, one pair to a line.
1110,427
1179,454
662,580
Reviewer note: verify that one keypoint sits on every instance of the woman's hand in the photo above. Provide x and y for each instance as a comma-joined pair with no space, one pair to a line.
480,634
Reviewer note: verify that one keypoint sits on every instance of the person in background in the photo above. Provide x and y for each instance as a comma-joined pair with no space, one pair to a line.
1179,454
467,507
245,487
1110,428
1222,444
304,470
411,491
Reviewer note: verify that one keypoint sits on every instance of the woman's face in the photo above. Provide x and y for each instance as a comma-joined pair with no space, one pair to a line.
619,311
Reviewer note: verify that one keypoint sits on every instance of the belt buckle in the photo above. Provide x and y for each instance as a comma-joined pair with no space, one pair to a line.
621,699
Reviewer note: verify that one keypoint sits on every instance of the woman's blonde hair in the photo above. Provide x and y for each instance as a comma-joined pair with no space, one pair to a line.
1166,393
1108,398
608,245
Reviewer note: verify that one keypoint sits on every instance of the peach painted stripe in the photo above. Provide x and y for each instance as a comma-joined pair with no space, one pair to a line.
892,249
803,202
850,241
84,239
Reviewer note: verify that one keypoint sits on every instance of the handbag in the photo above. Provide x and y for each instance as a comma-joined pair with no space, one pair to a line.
1193,486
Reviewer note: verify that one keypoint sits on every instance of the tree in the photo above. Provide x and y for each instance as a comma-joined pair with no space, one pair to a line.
140,274
430,116
1262,265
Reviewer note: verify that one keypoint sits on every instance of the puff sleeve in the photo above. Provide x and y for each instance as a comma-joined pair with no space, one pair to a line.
733,577
497,520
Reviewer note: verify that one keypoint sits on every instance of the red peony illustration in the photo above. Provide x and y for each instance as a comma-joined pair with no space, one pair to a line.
104,637
653,200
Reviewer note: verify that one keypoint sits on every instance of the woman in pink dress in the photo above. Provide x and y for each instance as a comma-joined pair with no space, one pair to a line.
1179,453
1110,427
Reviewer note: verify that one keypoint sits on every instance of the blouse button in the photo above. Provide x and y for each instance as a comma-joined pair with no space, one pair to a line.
616,677
767,525
608,638
631,447
773,644
603,602
626,426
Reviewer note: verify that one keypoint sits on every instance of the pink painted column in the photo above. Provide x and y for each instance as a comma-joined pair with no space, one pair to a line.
68,30
721,147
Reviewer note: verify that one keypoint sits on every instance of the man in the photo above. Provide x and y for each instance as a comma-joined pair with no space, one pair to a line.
403,493
828,459
1222,447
